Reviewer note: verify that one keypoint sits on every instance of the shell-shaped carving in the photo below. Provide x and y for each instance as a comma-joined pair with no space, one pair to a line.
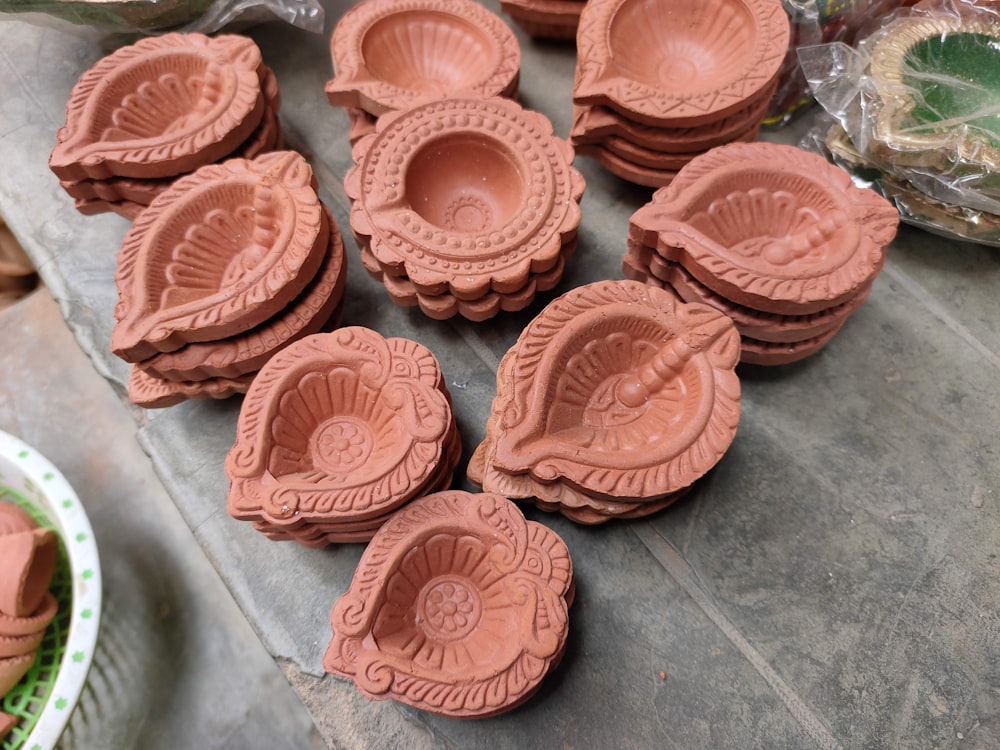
338,426
683,61
390,55
620,391
160,107
218,253
152,392
465,195
459,606
771,227
247,352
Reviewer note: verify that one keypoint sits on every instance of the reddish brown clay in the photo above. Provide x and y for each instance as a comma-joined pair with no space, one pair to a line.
13,627
432,618
7,722
220,252
152,392
28,560
620,392
342,426
770,227
19,645
648,176
547,19
12,669
688,62
393,54
14,518
161,107
247,352
465,195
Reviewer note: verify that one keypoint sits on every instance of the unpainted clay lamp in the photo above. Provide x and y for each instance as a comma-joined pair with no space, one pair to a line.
341,426
28,560
688,62
770,227
465,195
394,54
220,252
619,391
459,606
161,107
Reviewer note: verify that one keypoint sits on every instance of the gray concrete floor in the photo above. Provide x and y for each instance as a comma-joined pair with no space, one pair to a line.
177,665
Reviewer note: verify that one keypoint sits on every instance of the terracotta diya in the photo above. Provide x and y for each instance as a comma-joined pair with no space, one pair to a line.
616,395
659,82
464,197
390,55
545,19
160,108
774,236
339,429
459,606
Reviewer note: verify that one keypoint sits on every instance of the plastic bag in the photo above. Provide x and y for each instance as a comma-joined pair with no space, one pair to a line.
918,103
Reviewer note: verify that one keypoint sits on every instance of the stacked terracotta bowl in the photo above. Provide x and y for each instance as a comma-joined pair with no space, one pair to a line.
464,206
777,238
158,109
28,557
337,433
613,402
545,19
225,268
660,81
459,606
390,55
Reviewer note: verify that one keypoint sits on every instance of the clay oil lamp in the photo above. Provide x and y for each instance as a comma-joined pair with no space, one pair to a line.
226,267
337,431
588,393
459,607
464,205
773,236
545,19
390,55
161,108
703,73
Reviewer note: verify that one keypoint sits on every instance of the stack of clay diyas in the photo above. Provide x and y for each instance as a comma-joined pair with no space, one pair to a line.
337,432
659,82
459,606
161,108
613,402
28,557
390,55
776,238
464,206
545,19
225,268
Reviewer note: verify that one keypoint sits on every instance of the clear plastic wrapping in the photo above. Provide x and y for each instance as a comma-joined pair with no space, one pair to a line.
917,110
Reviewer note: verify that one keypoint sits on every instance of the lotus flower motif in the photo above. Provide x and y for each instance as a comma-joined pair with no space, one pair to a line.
390,55
687,61
458,606
340,424
160,106
218,253
771,227
620,391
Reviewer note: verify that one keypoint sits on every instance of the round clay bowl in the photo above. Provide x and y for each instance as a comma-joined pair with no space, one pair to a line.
28,560
620,391
770,227
220,252
678,62
338,426
465,195
390,55
12,669
161,107
458,606
13,627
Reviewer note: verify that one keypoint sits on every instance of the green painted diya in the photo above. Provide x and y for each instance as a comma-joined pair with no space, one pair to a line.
939,84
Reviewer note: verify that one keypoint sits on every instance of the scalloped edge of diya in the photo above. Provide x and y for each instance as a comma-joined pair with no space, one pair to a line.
599,443
934,148
599,80
846,245
513,603
402,375
354,84
466,259
288,243
124,80
150,392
